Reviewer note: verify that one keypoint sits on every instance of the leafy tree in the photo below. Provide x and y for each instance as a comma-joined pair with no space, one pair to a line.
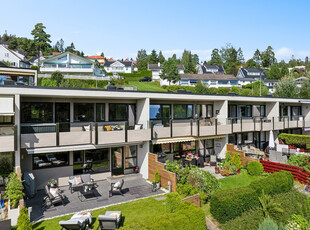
170,71
229,56
142,60
23,222
188,62
58,77
13,43
240,56
60,45
257,57
70,48
14,189
41,38
215,58
161,58
253,89
202,88
305,89
195,59
102,54
153,57
287,87
268,205
82,54
274,72
268,57
251,64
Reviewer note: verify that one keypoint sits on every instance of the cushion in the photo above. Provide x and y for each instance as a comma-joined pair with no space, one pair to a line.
78,180
85,178
108,127
117,184
115,214
54,191
138,127
86,127
72,181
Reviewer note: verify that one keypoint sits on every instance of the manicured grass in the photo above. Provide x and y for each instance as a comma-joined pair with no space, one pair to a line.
237,181
146,86
134,212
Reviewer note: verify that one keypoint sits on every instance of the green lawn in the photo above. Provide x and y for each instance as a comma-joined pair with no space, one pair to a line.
134,212
146,86
237,181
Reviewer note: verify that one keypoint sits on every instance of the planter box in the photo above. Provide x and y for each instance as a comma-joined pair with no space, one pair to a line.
13,214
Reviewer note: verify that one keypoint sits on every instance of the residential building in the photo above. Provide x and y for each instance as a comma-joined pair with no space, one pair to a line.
249,75
298,69
14,58
112,66
157,70
210,69
98,58
71,64
53,132
210,80
17,76
271,84
34,61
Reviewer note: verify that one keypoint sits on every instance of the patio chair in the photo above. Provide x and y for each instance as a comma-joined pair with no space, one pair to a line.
76,187
116,188
73,224
88,166
59,198
110,220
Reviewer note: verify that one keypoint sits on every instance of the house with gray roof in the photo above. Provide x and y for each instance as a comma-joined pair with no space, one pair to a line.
118,66
157,70
14,58
211,80
249,75
210,69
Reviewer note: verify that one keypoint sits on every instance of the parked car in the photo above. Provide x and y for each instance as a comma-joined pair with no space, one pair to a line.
145,79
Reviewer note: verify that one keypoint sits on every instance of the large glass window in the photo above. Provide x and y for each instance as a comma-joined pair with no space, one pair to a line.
50,160
62,112
295,112
244,111
37,112
182,111
189,146
162,148
130,156
6,120
100,112
158,112
198,112
83,112
118,112
209,111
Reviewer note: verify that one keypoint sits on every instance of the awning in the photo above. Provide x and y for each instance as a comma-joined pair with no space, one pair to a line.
183,139
59,149
6,106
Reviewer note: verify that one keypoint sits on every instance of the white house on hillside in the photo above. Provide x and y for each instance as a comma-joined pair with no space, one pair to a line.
157,70
249,75
69,63
118,66
14,58
210,69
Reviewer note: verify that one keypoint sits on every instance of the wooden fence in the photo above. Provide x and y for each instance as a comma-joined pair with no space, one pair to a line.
164,175
299,174
231,148
195,199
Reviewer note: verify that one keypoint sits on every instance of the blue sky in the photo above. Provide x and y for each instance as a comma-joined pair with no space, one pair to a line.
120,28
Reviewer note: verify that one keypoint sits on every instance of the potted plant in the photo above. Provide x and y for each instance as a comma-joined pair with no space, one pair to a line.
53,183
157,179
217,170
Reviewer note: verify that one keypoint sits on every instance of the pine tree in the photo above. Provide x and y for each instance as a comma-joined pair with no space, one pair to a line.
161,57
153,57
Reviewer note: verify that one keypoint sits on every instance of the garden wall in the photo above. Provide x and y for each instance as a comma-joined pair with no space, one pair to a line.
195,199
299,174
164,175
231,148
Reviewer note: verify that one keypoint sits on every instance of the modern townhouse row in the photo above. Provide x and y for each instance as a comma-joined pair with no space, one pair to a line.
55,132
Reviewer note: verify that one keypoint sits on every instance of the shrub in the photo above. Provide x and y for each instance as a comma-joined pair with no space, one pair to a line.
186,189
58,77
300,221
300,141
255,168
276,183
173,202
156,176
23,222
14,189
268,224
228,204
236,161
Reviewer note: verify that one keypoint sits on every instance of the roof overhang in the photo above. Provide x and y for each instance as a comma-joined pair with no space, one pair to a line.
60,149
184,139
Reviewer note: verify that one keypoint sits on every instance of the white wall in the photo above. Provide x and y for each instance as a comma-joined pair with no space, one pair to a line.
143,112
220,147
222,106
6,55
143,158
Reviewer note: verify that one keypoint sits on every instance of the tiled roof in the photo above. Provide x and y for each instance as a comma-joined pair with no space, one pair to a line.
126,63
246,72
95,57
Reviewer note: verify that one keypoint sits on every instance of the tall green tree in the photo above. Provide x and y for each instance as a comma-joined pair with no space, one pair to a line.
287,87
305,89
215,58
161,58
229,56
102,54
153,57
13,43
257,57
268,57
60,45
170,71
251,64
240,56
188,62
41,38
142,59
70,48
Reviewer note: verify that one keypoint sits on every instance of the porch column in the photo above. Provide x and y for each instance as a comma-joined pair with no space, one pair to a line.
17,123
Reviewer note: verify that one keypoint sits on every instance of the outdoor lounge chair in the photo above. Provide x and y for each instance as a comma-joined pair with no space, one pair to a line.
73,224
53,199
116,188
110,220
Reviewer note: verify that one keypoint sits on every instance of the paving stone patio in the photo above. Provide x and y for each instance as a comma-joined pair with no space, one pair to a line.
135,187
211,169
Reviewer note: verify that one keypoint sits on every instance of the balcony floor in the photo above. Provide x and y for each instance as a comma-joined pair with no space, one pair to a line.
135,187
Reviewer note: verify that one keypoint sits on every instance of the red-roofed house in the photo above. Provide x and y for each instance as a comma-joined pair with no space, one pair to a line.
99,58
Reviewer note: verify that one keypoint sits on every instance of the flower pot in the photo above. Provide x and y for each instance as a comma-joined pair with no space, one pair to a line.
238,171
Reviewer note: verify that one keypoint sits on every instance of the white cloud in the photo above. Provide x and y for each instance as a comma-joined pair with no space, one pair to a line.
284,53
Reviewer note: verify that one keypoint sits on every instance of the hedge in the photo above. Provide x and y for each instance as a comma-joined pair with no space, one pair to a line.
279,182
135,76
301,141
228,204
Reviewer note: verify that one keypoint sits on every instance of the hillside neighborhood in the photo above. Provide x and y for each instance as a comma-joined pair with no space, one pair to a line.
106,123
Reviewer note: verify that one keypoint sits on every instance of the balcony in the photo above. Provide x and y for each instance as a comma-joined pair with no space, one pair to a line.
84,133
7,138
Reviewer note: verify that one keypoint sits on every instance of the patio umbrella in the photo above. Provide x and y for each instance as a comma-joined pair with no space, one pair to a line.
271,140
